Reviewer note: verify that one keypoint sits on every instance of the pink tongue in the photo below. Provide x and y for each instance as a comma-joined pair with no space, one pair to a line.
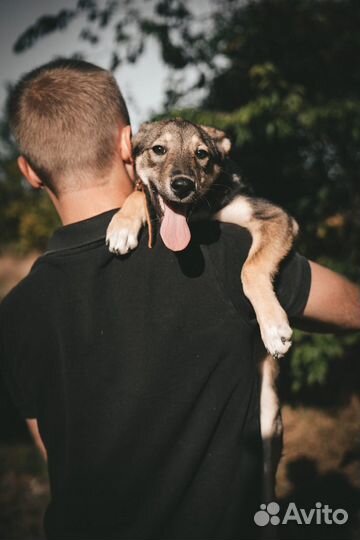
174,230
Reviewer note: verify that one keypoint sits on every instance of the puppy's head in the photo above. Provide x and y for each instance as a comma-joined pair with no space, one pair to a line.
179,160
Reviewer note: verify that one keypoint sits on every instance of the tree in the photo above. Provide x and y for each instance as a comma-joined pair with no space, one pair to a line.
129,23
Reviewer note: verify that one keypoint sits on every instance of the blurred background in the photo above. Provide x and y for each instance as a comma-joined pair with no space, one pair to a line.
283,79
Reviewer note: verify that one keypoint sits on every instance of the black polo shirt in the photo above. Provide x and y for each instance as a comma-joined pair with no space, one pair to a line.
141,372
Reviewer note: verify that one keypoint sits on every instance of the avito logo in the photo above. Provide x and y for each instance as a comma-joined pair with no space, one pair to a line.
320,515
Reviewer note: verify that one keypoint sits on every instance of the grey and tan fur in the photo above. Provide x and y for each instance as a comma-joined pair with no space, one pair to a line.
186,164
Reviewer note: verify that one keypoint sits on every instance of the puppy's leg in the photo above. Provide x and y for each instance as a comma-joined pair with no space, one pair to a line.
273,232
271,425
124,228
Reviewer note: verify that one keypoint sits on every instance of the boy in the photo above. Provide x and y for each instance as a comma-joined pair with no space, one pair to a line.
139,371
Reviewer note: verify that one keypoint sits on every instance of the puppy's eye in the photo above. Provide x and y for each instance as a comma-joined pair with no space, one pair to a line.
201,153
159,150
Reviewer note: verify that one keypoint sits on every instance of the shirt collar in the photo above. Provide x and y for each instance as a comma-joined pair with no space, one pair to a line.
81,232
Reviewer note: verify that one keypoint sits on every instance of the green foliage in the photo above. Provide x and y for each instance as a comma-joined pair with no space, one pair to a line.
313,354
27,217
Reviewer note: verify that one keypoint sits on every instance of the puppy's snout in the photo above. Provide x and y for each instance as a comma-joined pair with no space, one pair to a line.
182,186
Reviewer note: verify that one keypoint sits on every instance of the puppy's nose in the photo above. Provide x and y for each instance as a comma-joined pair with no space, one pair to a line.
182,186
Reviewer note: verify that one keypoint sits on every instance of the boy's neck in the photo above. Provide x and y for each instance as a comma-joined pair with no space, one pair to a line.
86,203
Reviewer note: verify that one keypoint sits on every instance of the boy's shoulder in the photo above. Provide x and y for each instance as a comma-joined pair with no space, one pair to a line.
223,237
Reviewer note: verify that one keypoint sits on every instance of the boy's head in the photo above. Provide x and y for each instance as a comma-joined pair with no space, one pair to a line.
65,116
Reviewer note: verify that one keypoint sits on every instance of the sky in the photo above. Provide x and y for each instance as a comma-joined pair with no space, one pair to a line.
142,83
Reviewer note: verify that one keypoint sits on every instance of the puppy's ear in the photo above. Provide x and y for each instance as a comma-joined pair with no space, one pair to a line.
139,140
222,142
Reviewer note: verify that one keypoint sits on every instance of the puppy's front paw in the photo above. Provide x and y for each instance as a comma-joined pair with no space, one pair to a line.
122,234
276,337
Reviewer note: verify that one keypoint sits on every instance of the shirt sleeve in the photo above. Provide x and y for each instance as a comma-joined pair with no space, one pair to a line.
292,284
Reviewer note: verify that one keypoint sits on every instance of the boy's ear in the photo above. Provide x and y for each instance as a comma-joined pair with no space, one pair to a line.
125,145
125,149
29,173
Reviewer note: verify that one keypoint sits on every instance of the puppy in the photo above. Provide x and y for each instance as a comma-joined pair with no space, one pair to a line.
186,171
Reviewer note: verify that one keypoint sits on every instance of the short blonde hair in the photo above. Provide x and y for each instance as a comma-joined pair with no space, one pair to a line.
65,117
